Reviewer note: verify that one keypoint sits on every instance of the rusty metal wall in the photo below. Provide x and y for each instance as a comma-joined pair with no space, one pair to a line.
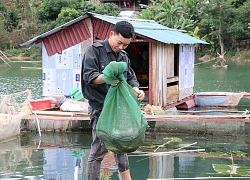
66,38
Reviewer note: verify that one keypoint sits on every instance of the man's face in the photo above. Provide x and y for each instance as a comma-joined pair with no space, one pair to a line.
117,42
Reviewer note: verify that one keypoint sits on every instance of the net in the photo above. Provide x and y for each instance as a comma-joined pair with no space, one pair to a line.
121,125
12,108
16,103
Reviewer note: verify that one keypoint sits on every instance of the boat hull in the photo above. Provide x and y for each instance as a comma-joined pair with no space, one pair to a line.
227,99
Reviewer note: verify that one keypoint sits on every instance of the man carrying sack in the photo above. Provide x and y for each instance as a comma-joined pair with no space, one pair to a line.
95,89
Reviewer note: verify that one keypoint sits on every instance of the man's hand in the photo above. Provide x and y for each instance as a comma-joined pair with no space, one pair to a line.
115,84
141,94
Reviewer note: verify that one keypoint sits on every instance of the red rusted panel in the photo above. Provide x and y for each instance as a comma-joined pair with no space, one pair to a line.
85,30
58,40
82,31
66,38
94,20
58,45
105,30
97,28
46,44
110,28
70,38
100,29
73,36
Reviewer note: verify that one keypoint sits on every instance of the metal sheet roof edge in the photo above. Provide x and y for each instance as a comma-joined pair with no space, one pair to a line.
59,28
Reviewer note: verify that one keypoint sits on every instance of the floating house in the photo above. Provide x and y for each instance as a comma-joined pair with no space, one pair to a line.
163,58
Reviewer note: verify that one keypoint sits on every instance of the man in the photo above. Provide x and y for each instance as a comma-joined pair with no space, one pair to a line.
94,88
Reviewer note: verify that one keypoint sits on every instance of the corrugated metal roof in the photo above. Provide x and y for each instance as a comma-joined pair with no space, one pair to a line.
154,30
147,28
66,38
53,31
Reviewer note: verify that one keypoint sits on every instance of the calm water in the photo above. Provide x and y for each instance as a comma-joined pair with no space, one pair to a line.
64,156
235,78
57,156
16,79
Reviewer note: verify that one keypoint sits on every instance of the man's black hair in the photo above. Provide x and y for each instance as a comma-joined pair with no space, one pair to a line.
124,28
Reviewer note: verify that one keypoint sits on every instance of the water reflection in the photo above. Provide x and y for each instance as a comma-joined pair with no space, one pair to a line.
63,163
57,156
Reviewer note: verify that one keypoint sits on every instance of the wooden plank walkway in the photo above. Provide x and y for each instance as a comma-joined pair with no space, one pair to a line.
78,116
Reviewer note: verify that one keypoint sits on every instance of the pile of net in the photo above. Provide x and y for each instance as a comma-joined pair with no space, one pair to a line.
12,108
16,103
121,125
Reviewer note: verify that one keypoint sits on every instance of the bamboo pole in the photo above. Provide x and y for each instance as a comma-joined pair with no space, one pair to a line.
185,146
165,152
23,67
28,61
5,56
4,61
216,110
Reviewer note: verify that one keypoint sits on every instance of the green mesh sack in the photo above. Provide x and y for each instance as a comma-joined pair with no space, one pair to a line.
121,125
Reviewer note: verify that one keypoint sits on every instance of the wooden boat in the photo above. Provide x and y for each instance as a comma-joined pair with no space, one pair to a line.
227,99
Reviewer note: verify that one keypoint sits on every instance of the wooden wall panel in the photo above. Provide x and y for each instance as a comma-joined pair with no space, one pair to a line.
169,60
86,43
154,75
172,94
184,93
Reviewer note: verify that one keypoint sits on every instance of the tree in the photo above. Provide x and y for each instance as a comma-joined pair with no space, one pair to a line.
66,15
110,9
53,13
223,22
170,13
49,9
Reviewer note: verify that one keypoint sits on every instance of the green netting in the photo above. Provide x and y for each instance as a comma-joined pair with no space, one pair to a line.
121,125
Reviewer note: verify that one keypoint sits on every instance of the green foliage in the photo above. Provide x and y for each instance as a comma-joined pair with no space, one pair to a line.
53,13
14,52
49,9
3,36
215,21
33,52
168,13
83,7
11,20
146,14
221,20
110,9
66,15
245,54
46,26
